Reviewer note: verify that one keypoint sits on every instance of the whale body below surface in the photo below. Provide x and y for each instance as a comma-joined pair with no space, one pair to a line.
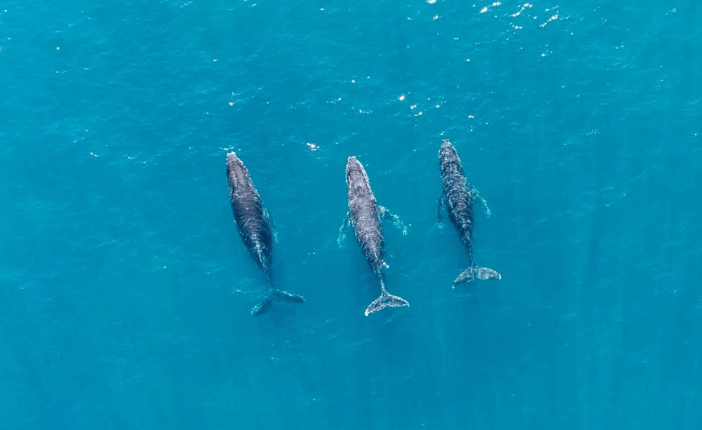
457,197
365,217
253,222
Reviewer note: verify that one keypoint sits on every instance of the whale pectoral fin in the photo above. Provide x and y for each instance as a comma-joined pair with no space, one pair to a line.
475,195
439,215
261,258
269,220
394,219
342,230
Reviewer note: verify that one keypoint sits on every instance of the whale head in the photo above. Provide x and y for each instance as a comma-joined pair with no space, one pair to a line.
237,173
356,179
447,152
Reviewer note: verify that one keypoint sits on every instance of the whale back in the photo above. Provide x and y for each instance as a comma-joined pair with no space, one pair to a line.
251,218
365,214
457,194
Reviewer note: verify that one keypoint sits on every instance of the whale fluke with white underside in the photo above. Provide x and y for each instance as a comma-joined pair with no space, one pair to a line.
475,272
457,196
385,300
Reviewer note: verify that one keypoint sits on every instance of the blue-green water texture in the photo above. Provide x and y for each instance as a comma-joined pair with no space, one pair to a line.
125,289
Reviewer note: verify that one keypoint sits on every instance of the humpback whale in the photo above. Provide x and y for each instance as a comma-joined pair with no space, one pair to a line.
365,217
457,197
254,225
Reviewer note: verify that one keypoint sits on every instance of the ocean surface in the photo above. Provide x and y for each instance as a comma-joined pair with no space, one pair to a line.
125,290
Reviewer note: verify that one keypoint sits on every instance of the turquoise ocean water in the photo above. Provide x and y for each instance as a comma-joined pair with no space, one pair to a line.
125,290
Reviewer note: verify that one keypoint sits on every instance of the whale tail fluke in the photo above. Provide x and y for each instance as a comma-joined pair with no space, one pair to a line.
386,300
475,272
262,307
275,296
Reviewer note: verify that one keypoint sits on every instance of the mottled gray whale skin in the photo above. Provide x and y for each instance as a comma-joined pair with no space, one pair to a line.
365,217
254,225
457,197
